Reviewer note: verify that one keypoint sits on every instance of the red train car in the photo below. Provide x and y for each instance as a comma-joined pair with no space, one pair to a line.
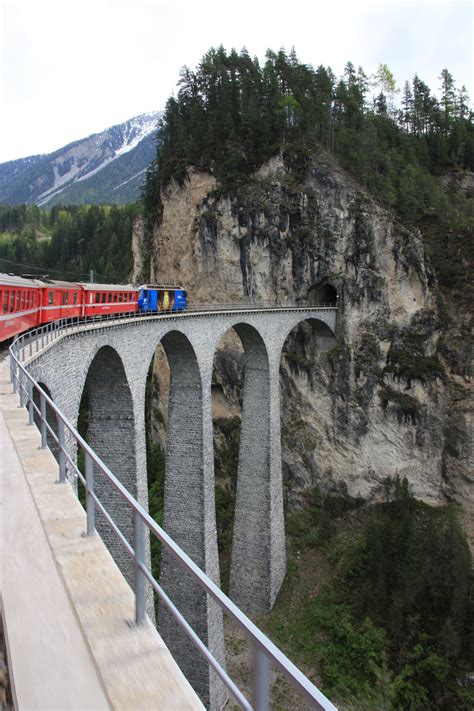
27,303
103,299
20,301
60,299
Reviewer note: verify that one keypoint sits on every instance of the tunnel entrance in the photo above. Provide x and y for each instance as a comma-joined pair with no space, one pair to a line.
323,294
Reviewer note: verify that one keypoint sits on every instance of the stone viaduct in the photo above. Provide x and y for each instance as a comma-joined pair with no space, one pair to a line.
110,362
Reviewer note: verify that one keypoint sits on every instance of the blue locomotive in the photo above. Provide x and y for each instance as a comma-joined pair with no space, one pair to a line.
161,297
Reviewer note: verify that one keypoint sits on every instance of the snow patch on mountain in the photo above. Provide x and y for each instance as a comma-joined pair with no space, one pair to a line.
136,130
45,177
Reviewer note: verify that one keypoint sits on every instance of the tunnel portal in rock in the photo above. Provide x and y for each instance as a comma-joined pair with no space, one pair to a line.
323,293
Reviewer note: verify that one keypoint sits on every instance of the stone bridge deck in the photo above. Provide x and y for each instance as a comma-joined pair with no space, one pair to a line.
64,602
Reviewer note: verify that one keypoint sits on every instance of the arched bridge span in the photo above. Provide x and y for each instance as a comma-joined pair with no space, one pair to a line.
109,363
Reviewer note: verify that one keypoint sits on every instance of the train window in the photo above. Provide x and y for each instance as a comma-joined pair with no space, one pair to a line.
103,297
74,298
120,297
109,298
97,298
18,300
65,297
50,297
23,297
115,298
5,301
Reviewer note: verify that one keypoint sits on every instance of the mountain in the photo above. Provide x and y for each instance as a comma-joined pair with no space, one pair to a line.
107,167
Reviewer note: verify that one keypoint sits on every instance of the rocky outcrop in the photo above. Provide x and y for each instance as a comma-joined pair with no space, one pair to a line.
380,402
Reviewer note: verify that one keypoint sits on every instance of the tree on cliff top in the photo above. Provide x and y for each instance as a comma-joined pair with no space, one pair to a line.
231,114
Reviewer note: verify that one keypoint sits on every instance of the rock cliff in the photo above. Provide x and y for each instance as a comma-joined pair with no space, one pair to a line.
385,400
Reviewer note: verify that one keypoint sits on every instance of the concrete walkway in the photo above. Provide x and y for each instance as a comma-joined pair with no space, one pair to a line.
65,604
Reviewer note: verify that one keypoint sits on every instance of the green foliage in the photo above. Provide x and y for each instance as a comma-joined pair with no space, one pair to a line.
393,627
69,241
406,359
156,489
411,575
298,360
225,466
406,406
351,655
155,464
367,356
231,114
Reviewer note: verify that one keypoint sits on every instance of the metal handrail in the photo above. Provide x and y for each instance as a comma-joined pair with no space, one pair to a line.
55,329
263,649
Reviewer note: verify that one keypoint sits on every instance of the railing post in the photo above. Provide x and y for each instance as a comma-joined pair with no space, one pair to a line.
30,402
90,506
44,431
22,391
139,550
62,454
14,375
261,679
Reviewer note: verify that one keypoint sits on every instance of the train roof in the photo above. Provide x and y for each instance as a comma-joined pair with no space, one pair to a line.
108,287
59,284
12,280
161,286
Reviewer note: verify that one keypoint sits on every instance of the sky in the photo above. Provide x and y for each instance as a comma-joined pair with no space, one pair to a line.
70,68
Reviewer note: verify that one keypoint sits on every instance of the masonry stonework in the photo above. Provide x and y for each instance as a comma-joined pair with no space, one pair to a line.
110,363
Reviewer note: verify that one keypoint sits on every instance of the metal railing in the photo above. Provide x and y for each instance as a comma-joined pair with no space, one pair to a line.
265,652
32,341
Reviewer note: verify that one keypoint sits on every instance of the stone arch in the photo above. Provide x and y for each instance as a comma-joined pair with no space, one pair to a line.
111,434
189,518
322,336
